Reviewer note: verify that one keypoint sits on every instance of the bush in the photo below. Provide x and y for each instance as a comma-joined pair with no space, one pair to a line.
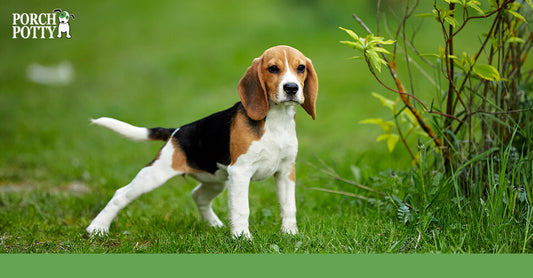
485,104
472,171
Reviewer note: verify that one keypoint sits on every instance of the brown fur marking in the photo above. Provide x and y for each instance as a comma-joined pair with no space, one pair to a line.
292,175
179,160
242,135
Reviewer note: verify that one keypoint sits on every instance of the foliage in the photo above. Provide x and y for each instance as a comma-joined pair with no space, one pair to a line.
487,94
429,202
478,172
369,46
403,120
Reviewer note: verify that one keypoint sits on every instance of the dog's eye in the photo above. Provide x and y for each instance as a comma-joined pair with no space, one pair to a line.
273,69
300,69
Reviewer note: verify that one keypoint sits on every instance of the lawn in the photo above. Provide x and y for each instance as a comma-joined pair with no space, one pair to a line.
168,63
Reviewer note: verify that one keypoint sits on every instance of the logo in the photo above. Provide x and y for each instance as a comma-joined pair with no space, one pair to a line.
64,27
41,26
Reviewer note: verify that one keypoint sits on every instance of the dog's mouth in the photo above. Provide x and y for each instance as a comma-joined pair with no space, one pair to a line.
289,102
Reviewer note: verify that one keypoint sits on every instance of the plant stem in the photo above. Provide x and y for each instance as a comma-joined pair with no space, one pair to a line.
403,139
403,94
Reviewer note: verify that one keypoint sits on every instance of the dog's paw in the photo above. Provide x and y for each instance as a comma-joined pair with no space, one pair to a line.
96,230
216,223
244,234
289,229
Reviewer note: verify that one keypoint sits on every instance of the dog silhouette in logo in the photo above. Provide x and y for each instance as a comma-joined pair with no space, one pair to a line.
64,27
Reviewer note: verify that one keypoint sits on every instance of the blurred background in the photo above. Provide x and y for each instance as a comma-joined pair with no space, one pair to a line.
167,63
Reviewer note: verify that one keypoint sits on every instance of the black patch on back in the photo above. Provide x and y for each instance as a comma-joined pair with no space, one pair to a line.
159,133
206,141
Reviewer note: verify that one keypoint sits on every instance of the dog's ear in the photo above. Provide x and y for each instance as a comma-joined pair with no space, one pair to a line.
57,10
310,90
71,15
253,92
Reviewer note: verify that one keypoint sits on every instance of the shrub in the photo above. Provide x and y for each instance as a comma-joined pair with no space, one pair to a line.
484,105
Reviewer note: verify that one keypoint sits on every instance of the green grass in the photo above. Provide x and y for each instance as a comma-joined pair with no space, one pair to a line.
170,63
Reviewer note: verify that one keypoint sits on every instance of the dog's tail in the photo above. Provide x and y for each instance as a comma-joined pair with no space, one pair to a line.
135,133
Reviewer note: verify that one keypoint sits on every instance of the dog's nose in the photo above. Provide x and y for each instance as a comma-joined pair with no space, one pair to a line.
290,88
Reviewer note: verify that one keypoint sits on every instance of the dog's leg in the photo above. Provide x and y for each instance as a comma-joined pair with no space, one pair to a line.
239,209
203,195
285,189
148,179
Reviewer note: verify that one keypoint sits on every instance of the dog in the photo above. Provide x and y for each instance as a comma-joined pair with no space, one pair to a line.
253,140
64,27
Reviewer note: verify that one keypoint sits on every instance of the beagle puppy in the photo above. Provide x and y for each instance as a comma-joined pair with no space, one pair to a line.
253,140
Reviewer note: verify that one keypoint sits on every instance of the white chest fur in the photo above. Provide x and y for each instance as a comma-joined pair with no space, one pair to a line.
276,149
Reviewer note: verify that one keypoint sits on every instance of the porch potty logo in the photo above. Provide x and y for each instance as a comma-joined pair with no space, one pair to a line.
41,26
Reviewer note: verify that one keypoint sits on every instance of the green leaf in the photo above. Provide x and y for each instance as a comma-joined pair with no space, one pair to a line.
430,55
392,139
403,212
351,33
381,49
370,46
386,125
355,45
456,2
517,15
451,20
437,178
375,60
514,40
487,72
371,40
409,115
385,101
391,142
426,15
475,5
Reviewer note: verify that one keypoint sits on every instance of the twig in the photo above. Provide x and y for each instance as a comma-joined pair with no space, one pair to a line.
426,75
476,56
362,23
407,15
475,17
404,142
502,112
418,239
400,92
333,174
339,192
403,94
444,115
377,16
450,71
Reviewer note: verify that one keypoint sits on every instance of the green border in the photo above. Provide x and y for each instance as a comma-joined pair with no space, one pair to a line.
150,266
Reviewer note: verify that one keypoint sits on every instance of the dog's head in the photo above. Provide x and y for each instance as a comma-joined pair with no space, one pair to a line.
281,76
64,16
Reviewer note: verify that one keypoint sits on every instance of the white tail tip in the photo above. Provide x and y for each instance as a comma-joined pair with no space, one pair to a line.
129,131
